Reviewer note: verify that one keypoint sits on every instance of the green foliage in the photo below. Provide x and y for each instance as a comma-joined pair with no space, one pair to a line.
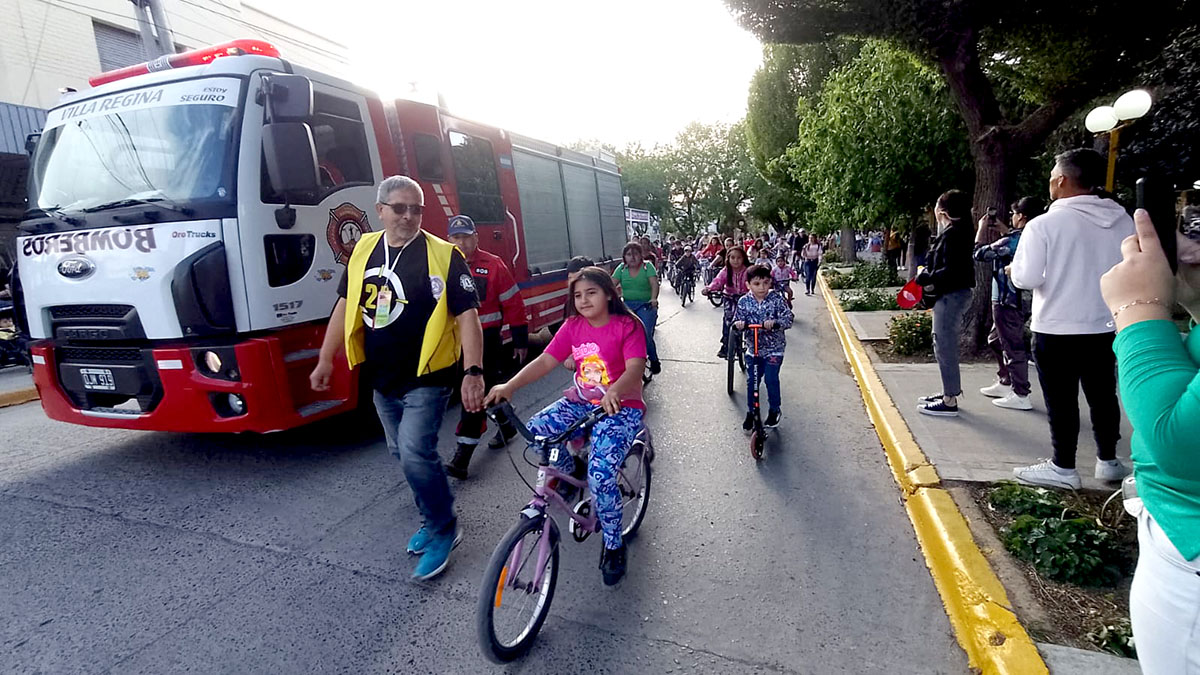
868,300
710,176
1116,637
832,256
881,142
1020,499
836,280
644,176
1076,550
911,333
875,275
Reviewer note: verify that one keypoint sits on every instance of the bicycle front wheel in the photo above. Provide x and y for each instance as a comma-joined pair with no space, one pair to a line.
512,607
633,480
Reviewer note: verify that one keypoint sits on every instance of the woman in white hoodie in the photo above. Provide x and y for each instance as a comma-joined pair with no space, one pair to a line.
1062,256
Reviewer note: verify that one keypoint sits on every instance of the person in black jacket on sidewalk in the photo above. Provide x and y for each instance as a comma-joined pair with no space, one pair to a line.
947,282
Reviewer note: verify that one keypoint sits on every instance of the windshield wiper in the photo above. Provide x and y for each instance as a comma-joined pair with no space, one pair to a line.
56,213
157,202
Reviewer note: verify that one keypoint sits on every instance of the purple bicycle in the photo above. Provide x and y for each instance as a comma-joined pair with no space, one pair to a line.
518,584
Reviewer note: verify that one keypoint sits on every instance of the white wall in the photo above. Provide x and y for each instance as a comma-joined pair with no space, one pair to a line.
47,45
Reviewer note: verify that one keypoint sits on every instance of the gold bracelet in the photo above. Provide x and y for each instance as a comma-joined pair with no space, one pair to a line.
1151,301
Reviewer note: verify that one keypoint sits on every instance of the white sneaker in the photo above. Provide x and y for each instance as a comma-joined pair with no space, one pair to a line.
996,390
1047,474
1111,471
1013,401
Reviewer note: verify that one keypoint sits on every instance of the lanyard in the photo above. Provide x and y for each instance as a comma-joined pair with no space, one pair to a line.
387,256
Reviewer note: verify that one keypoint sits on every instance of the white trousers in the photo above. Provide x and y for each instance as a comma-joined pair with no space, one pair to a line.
1164,604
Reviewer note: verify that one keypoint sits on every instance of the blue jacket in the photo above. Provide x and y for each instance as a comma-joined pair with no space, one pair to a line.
1000,253
772,308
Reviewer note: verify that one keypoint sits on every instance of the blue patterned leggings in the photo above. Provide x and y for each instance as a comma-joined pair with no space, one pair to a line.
611,438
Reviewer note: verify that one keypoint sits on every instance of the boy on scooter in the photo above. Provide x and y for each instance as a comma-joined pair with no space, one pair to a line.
766,307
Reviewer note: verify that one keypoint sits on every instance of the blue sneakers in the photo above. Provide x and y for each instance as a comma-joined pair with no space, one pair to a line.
435,555
419,541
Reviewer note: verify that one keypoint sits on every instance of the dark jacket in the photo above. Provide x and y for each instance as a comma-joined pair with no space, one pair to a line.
1000,254
950,266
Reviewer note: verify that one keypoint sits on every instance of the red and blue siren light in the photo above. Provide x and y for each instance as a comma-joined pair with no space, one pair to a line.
195,57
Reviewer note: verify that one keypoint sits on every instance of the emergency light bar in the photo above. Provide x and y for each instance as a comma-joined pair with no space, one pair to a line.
195,57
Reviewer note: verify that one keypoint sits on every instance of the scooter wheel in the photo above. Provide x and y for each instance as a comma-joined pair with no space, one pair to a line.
757,441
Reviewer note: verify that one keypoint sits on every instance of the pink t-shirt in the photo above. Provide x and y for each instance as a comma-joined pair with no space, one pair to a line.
600,354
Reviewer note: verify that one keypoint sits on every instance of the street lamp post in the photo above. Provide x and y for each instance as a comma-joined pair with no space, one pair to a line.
1112,118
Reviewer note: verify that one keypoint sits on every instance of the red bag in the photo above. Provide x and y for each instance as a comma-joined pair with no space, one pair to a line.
910,295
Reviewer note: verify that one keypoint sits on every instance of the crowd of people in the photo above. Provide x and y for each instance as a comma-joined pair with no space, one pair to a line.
1096,287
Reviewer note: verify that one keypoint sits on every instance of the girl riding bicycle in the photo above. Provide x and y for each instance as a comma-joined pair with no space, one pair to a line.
608,344
637,281
731,281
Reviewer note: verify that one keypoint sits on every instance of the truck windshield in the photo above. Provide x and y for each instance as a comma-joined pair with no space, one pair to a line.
170,143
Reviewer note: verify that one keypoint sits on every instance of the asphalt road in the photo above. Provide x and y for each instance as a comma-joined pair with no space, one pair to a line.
134,552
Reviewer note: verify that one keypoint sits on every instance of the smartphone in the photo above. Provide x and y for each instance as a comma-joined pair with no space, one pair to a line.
1158,198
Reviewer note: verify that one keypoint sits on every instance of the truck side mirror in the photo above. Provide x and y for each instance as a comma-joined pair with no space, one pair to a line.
289,98
291,159
31,142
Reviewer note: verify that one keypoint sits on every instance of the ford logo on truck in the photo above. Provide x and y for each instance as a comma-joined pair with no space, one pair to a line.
76,268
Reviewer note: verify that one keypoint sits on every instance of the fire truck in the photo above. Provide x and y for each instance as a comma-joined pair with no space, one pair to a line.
190,218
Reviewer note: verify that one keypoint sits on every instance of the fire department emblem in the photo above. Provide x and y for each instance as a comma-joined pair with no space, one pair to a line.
347,224
141,273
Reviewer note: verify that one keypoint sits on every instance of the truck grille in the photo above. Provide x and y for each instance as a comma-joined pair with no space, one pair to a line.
89,311
101,355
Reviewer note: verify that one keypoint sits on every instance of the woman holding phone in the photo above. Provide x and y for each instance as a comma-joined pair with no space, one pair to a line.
1160,387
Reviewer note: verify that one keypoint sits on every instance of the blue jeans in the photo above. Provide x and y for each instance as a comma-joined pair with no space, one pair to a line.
411,423
810,275
611,439
766,367
948,313
649,316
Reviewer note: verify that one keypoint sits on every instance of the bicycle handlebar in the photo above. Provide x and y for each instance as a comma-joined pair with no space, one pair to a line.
504,410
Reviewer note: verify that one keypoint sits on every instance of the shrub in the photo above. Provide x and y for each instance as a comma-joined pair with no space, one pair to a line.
911,333
875,275
1116,637
1076,550
868,300
1020,500
837,280
832,256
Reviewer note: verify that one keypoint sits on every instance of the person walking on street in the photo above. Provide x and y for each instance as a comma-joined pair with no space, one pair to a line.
638,281
1062,255
414,309
1160,385
949,279
810,257
500,303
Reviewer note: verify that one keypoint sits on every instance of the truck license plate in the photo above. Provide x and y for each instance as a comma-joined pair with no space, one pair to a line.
98,379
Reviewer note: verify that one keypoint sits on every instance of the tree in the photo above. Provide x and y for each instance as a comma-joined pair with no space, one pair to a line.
1016,70
878,146
645,177
710,176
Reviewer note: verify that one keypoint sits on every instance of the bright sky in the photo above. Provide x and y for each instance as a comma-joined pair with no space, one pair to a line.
559,70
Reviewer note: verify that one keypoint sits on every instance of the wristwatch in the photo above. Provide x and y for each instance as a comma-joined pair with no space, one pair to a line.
474,370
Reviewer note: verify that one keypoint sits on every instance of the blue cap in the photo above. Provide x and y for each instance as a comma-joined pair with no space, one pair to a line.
460,225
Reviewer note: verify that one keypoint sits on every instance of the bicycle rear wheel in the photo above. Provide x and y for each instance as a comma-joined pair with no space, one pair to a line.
731,355
633,480
510,610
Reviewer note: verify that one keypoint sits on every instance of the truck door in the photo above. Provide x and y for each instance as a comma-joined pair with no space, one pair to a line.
291,273
481,165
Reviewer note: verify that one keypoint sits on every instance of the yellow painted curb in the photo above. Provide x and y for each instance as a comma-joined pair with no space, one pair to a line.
17,397
975,600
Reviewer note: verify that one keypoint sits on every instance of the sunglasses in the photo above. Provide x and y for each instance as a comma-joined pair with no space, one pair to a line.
401,209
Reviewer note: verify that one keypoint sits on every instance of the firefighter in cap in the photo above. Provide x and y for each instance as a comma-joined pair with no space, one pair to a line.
500,303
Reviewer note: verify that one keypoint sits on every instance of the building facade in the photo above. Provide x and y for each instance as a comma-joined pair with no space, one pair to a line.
46,45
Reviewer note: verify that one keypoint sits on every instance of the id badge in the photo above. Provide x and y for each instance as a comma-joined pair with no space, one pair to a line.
383,306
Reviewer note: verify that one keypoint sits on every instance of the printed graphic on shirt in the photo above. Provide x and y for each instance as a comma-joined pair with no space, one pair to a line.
467,283
374,280
591,374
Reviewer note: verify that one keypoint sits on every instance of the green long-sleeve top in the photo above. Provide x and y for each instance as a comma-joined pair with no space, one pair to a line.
1160,387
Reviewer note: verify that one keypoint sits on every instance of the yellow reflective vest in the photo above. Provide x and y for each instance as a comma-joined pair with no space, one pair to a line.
441,344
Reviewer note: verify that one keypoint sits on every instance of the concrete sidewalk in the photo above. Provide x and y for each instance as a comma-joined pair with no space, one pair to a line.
985,443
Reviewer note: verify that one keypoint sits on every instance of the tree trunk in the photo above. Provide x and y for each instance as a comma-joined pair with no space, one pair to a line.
995,177
849,253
